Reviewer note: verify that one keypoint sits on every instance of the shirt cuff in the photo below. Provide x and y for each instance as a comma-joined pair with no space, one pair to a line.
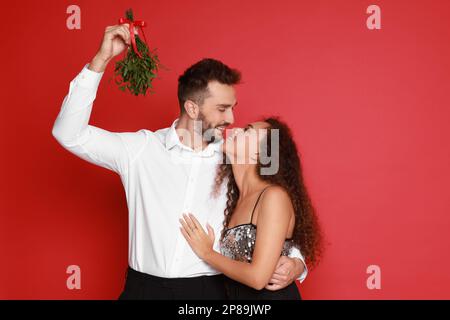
88,78
295,253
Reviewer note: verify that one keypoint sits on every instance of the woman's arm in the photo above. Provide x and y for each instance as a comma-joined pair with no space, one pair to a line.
273,221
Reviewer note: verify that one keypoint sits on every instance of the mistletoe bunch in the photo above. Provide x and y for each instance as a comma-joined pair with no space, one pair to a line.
140,65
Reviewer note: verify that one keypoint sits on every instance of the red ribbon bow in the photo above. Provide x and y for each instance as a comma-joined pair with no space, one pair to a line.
139,24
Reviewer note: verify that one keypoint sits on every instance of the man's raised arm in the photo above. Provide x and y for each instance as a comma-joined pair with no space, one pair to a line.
71,129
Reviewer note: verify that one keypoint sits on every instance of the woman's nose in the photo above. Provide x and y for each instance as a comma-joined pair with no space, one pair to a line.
235,131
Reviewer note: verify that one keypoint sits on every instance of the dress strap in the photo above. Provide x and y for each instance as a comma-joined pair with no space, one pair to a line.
251,218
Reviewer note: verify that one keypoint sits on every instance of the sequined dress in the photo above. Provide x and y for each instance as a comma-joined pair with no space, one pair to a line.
238,244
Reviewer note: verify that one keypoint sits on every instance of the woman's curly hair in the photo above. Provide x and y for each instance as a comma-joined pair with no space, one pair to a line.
307,233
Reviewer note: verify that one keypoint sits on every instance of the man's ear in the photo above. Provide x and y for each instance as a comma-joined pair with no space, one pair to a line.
192,109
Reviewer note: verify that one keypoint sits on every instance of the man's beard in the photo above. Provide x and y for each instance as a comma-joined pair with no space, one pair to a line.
208,130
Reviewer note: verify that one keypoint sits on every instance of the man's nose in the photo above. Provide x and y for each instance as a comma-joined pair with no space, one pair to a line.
229,117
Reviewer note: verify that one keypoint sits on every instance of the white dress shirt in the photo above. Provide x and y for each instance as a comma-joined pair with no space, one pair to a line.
162,178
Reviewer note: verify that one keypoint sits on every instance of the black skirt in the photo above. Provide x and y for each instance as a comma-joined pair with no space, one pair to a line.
238,291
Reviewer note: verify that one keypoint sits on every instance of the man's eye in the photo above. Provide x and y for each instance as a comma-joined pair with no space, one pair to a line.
222,110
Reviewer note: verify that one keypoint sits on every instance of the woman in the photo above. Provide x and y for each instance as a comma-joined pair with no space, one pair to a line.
274,203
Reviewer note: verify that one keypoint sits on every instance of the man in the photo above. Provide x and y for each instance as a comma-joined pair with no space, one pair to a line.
165,174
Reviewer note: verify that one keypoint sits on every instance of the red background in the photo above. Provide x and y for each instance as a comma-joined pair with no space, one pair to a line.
369,110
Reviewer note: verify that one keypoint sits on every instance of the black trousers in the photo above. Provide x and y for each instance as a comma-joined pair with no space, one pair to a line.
142,286
238,291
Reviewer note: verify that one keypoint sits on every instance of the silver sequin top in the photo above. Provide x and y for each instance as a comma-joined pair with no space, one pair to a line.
238,243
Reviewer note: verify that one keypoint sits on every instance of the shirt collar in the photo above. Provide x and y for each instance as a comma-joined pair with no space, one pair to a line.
172,140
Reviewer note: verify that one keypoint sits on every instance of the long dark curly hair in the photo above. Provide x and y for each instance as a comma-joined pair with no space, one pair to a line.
307,234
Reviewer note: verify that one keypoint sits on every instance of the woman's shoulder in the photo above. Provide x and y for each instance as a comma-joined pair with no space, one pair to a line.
275,207
276,198
276,192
